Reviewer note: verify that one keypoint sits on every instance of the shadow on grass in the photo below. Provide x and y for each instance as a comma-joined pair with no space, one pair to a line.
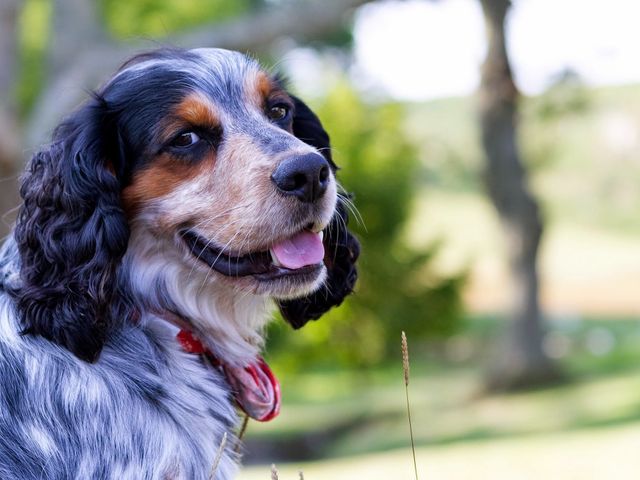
326,443
308,445
338,429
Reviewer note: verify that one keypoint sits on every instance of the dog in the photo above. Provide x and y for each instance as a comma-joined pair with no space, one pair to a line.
187,197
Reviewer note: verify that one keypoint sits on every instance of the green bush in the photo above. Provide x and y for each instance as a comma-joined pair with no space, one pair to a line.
150,18
398,288
33,35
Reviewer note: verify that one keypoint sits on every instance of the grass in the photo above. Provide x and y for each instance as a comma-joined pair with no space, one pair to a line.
580,429
360,426
406,370
446,411
589,454
579,262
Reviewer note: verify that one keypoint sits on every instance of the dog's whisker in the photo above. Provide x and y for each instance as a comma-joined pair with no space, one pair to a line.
217,258
209,220
348,203
210,241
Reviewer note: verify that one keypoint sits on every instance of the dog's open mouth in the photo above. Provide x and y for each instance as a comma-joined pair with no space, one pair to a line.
300,254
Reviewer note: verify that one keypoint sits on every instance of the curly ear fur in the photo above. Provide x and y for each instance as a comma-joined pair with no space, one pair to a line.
71,234
307,127
342,250
341,247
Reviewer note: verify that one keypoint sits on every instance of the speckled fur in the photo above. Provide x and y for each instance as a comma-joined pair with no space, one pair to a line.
93,383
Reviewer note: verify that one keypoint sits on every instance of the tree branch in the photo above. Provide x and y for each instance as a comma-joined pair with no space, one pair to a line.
303,21
254,32
9,139
9,129
76,26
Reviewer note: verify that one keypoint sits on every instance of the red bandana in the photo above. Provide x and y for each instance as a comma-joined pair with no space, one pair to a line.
256,389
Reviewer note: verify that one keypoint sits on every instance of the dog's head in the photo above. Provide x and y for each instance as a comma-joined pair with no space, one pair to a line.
200,155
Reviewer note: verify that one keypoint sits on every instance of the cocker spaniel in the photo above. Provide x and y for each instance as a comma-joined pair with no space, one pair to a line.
170,212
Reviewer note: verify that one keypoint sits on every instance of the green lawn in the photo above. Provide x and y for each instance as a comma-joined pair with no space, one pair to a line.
447,408
358,422
583,267
589,454
577,431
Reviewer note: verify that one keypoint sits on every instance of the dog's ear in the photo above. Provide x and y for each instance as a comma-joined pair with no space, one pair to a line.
307,127
341,246
72,233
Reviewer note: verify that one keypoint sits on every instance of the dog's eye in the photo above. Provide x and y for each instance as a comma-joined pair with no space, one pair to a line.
278,112
186,139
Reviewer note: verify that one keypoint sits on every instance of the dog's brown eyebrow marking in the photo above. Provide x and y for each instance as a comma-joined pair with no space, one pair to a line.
261,87
164,174
195,110
264,87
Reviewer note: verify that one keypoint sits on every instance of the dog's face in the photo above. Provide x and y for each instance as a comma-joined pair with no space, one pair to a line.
186,165
221,175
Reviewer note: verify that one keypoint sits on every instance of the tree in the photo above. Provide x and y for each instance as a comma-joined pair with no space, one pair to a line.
521,362
9,134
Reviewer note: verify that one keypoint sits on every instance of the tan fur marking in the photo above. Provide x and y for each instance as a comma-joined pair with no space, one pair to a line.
197,110
163,176
260,88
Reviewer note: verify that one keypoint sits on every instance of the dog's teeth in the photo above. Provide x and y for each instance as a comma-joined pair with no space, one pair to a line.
321,234
274,259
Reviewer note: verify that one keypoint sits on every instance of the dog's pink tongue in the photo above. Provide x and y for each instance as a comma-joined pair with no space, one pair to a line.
256,389
303,249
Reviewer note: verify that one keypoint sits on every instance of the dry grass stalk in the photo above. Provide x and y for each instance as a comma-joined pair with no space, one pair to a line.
243,430
216,462
405,368
405,359
274,472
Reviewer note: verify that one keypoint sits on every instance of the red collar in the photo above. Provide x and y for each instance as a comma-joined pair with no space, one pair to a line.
191,344
256,389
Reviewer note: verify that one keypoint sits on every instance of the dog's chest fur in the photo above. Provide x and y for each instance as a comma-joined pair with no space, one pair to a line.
145,409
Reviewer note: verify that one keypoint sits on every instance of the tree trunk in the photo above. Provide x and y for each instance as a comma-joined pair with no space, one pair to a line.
520,362
10,144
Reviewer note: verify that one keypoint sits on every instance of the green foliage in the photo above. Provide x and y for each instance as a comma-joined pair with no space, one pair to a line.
123,19
565,96
398,288
541,134
34,26
150,18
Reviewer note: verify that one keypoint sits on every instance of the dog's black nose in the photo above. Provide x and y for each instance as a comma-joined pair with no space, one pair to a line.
305,177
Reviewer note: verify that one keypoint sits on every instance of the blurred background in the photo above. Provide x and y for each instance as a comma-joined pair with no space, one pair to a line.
493,149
